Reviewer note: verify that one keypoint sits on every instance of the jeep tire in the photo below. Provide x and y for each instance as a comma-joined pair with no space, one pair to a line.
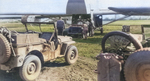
137,66
5,50
71,55
31,68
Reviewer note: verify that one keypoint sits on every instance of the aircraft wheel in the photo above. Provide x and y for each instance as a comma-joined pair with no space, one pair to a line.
101,30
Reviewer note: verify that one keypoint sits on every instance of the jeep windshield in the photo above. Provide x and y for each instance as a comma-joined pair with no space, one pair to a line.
29,26
40,26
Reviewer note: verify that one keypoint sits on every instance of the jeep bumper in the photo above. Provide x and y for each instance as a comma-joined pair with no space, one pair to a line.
12,63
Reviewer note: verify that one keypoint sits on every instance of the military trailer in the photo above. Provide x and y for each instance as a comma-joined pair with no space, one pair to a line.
29,50
128,40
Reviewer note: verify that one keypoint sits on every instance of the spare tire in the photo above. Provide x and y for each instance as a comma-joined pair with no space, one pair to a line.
120,43
5,50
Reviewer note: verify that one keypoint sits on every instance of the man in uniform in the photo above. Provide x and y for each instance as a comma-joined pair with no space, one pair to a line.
60,26
90,28
85,31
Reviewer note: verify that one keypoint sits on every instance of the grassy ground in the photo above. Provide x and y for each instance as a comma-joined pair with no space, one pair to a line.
131,22
88,49
21,28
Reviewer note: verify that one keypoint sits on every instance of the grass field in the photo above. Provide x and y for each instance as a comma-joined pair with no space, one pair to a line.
21,28
131,22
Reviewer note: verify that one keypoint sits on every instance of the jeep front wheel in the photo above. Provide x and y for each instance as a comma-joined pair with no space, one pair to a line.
31,68
71,55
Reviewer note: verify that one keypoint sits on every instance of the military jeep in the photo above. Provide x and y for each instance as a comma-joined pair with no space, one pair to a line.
29,50
74,31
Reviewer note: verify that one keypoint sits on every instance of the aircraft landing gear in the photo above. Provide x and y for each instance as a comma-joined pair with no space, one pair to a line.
101,30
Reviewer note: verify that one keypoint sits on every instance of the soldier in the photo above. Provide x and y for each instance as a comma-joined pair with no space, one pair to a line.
60,26
90,28
85,31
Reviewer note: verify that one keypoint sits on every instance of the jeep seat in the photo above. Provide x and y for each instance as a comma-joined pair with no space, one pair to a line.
46,35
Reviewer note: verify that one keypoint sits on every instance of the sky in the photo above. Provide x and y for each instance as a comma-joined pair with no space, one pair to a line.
35,6
55,6
59,6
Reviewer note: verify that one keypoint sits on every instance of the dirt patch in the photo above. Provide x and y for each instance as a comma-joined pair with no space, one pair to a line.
82,70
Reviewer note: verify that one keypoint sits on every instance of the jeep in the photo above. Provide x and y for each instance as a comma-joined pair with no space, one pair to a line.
29,50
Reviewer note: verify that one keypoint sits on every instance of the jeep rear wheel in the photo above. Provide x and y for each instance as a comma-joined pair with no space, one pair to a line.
5,50
31,68
137,66
71,55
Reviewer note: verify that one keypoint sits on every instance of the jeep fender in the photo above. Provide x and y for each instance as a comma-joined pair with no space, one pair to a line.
38,54
69,42
65,46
